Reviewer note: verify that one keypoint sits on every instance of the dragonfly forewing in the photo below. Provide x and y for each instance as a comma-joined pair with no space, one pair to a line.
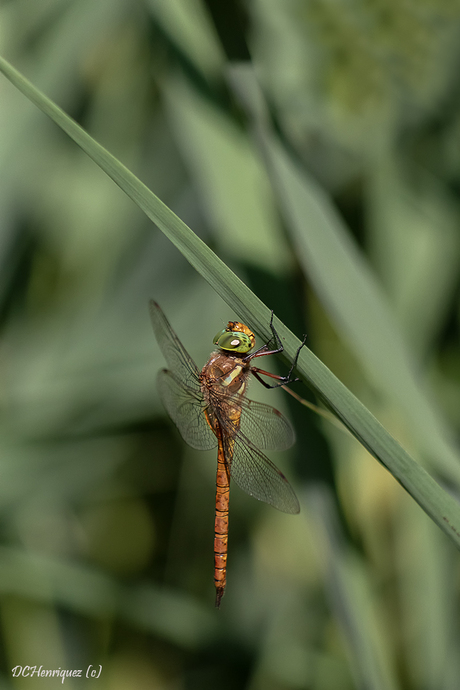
177,357
186,408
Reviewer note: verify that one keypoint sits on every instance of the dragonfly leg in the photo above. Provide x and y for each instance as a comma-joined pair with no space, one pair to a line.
264,349
277,340
284,380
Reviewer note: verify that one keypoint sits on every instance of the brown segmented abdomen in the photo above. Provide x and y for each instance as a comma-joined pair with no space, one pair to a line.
221,523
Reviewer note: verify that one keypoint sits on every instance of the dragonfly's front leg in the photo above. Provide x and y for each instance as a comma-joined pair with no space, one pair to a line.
283,380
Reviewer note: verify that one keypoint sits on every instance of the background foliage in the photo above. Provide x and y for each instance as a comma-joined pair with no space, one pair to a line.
106,529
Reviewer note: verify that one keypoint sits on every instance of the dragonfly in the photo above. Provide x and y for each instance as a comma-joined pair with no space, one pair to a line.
210,409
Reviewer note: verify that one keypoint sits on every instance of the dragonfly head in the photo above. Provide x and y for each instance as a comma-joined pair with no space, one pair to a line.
235,338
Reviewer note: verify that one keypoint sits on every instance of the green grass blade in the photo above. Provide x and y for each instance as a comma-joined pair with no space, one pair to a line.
437,503
224,281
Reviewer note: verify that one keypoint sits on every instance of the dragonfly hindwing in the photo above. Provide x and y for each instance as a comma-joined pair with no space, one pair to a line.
185,408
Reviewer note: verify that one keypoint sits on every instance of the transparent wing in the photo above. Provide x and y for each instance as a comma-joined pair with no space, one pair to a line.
245,424
265,426
186,408
257,476
179,361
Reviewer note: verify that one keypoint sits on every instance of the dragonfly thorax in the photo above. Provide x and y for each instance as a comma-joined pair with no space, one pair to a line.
224,373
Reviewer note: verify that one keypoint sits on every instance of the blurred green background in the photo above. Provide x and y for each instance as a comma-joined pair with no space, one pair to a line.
106,517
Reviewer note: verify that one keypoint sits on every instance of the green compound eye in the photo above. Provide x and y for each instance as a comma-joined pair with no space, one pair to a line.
216,338
233,342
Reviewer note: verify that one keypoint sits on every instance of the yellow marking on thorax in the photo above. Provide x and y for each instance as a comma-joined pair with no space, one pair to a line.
232,376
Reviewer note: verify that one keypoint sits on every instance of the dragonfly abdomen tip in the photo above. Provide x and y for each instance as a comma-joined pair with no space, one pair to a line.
219,594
